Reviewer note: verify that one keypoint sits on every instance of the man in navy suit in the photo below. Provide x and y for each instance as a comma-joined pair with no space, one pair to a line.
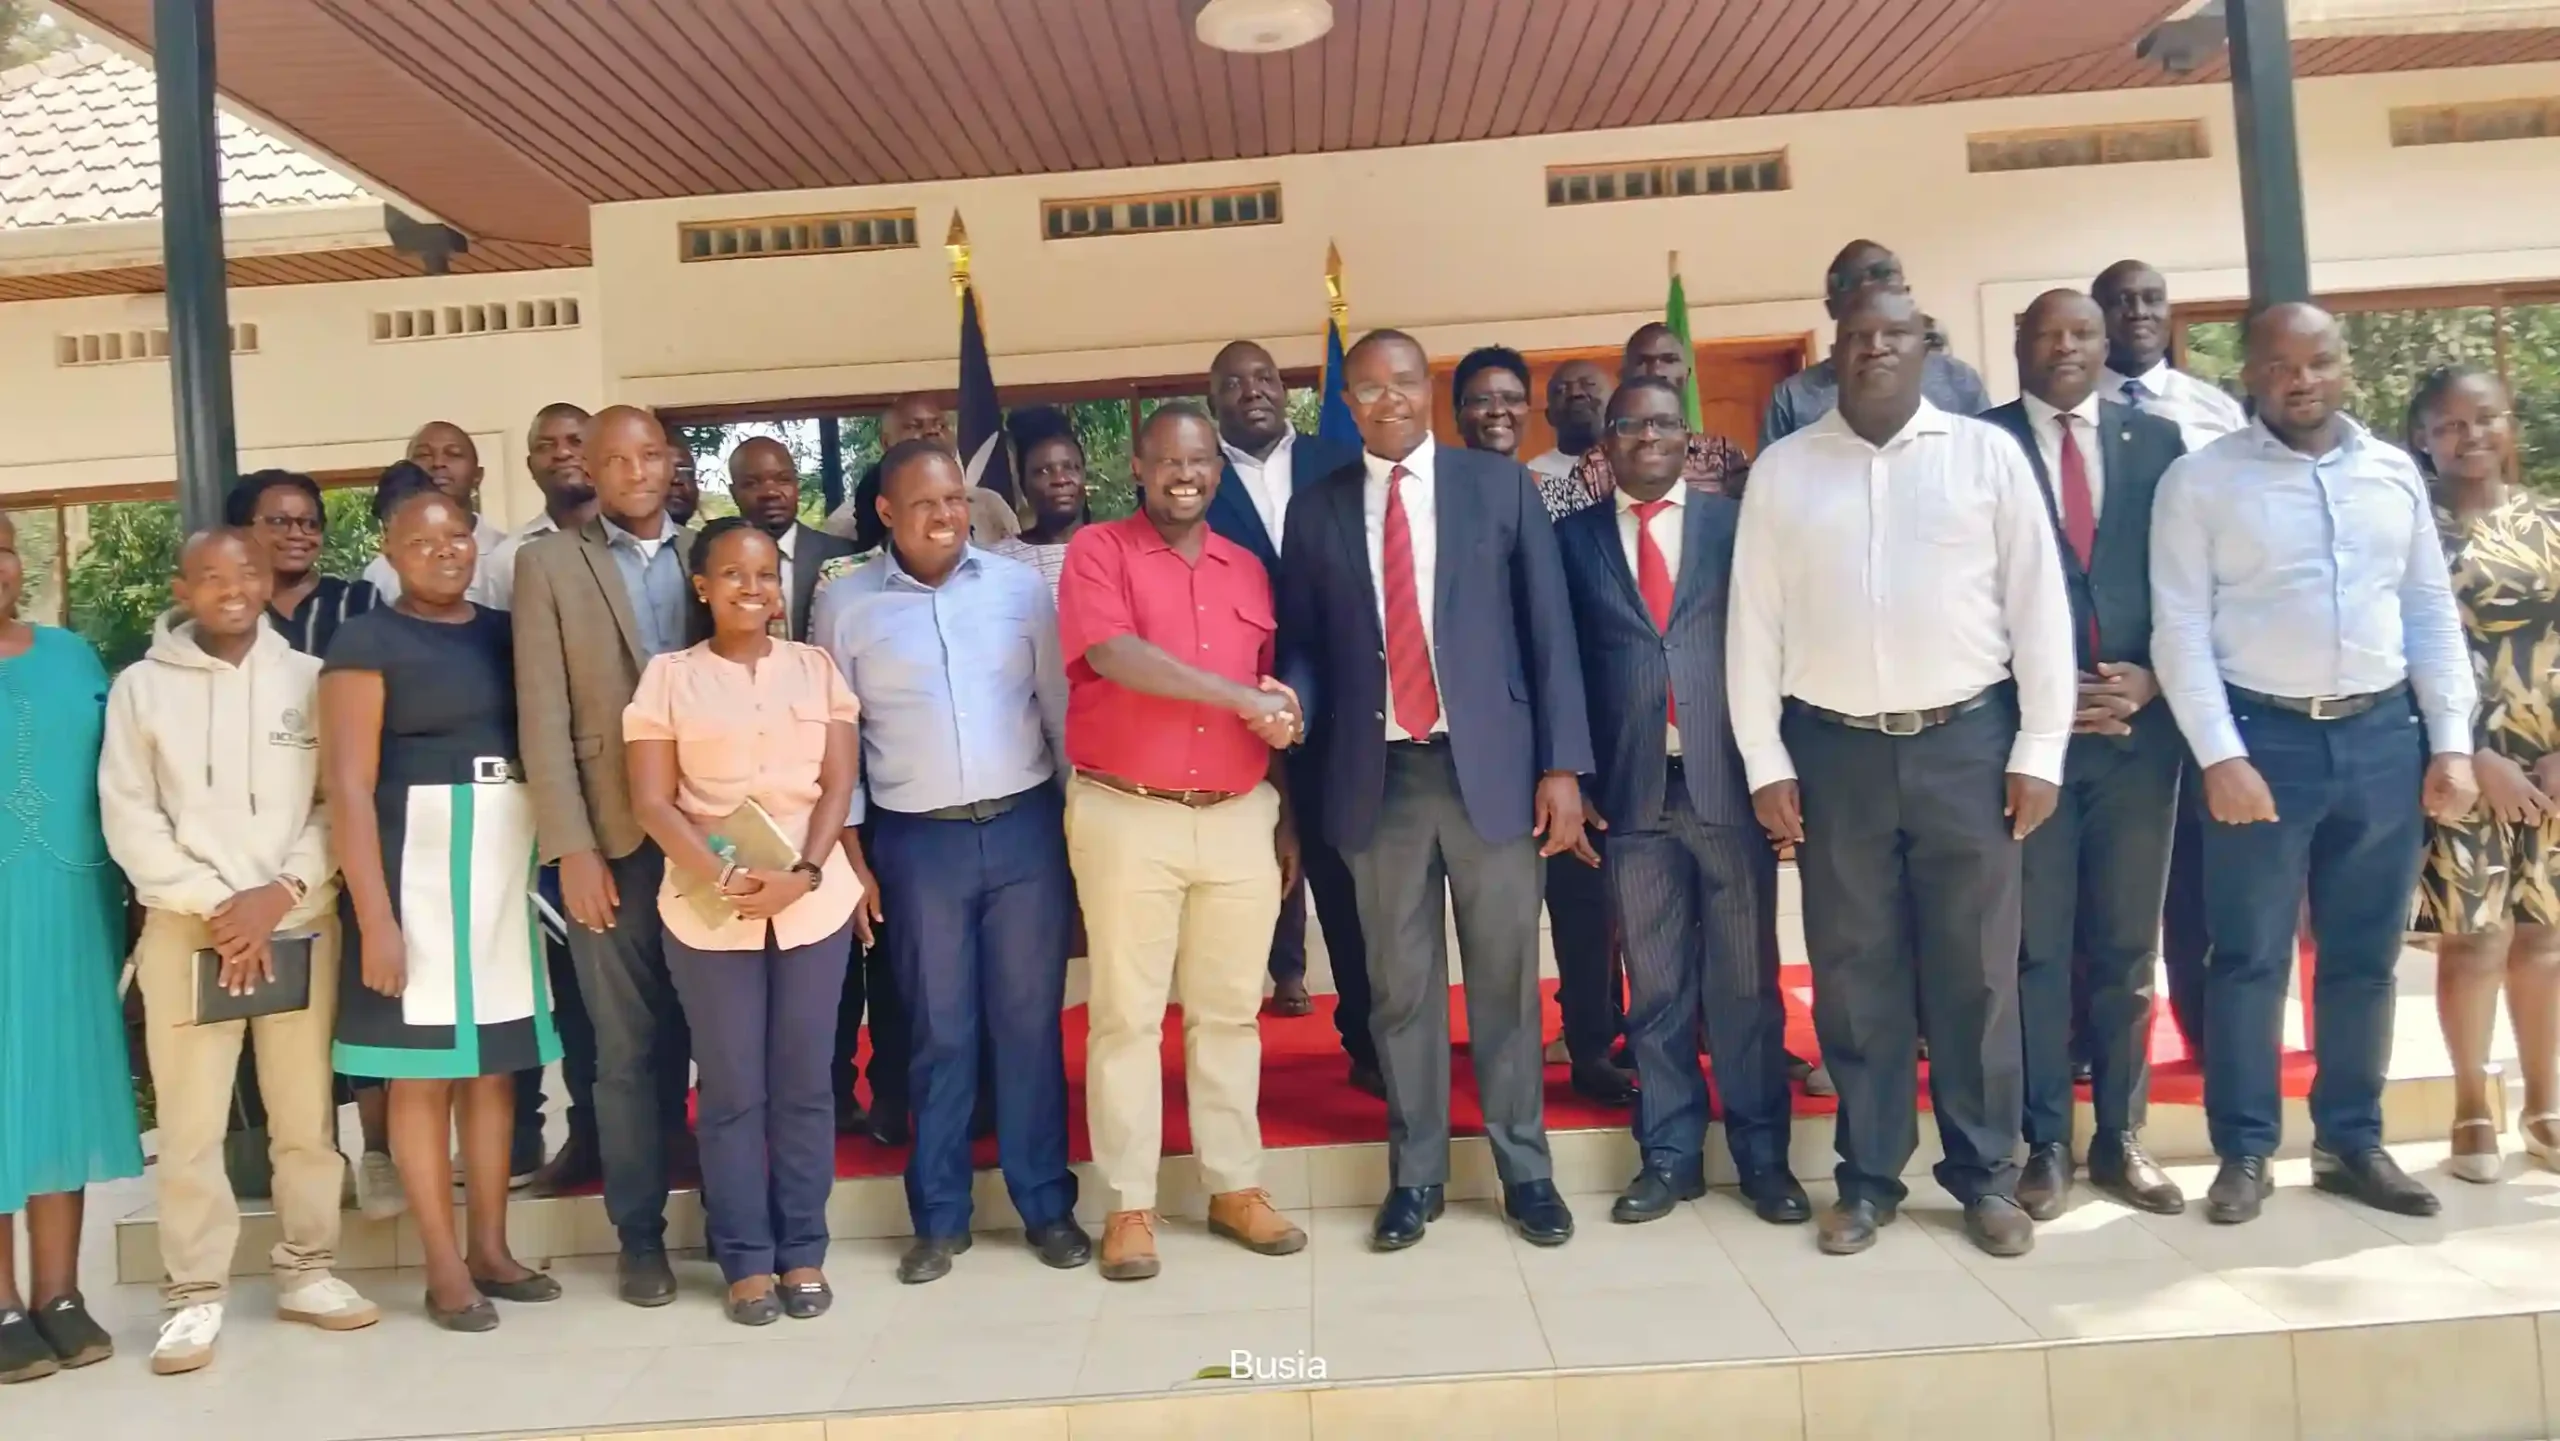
1694,875
2093,876
1425,627
1268,464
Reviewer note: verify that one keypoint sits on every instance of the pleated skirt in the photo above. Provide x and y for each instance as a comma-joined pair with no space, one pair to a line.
66,1084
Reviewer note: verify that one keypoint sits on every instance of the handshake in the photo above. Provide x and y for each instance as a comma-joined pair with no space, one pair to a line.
1271,712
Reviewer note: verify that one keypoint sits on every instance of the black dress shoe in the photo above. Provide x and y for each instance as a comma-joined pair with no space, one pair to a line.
75,1338
2119,1167
1062,1243
1538,1212
2373,1178
1599,1081
643,1278
1778,1198
851,1119
2238,1191
2045,1185
887,1124
1366,1079
1850,1226
1655,1193
24,1356
929,1259
806,1300
576,1167
761,1310
1999,1226
1403,1214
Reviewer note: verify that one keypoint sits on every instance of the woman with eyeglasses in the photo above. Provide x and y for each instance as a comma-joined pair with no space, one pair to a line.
282,509
2490,892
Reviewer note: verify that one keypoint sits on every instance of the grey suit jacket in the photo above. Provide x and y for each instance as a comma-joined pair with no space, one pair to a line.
811,549
578,659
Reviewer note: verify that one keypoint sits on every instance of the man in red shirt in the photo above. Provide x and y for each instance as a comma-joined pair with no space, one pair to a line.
1178,834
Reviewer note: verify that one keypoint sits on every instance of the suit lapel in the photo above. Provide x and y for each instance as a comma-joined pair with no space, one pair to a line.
1602,549
1699,527
2014,418
1242,516
1451,530
617,596
1351,530
2115,451
805,562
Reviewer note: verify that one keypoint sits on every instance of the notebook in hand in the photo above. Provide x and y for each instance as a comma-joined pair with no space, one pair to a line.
290,990
748,837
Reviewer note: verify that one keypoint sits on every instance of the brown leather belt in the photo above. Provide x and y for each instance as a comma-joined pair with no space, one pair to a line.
1900,724
2325,707
1196,800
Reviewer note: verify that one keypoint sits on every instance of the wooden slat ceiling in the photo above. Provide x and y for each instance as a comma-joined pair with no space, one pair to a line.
509,117
485,257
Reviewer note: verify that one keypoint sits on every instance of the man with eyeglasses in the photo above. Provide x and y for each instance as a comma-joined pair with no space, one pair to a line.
1946,383
282,509
1425,628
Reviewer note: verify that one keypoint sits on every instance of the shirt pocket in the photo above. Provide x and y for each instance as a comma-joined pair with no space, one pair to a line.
719,754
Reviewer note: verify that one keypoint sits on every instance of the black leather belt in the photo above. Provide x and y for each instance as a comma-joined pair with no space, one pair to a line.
1899,723
2324,707
979,812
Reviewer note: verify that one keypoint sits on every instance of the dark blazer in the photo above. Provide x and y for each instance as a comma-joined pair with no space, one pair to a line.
1630,669
812,549
1510,680
2115,587
1231,512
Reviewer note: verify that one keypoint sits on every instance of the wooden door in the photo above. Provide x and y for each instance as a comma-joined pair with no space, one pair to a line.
1735,380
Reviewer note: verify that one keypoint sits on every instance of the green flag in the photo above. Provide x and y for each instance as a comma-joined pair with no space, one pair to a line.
1675,313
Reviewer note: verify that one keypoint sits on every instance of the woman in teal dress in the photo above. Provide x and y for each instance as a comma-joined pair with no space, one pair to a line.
64,1075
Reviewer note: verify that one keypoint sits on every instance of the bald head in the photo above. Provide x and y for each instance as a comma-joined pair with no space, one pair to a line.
445,451
1860,263
2062,348
1248,397
626,455
2296,371
917,417
765,482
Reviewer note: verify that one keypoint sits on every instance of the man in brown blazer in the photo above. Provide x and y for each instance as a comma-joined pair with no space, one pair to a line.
592,605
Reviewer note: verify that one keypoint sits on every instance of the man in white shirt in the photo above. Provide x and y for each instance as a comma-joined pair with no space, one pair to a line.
1895,571
446,452
1577,397
765,482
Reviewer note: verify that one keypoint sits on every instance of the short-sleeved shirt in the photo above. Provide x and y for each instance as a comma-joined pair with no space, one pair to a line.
1215,614
749,735
310,626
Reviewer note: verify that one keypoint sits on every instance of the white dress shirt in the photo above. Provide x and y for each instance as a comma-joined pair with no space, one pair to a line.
1869,580
1422,519
1555,465
2047,422
496,559
2203,413
1268,481
2293,576
1668,527
500,564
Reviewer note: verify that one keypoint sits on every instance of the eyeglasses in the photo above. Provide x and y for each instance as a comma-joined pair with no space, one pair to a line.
291,524
1372,392
1632,426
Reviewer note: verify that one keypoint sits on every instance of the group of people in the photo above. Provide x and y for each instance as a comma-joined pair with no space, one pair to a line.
664,802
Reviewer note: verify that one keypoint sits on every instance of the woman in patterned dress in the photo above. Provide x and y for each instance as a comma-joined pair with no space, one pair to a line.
2488,891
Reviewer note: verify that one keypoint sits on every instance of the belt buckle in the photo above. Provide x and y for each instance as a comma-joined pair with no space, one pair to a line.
2319,710
491,771
1901,724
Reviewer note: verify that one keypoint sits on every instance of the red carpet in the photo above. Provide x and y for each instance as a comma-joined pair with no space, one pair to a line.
1306,1100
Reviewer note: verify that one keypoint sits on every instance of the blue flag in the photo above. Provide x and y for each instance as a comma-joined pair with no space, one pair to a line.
1334,421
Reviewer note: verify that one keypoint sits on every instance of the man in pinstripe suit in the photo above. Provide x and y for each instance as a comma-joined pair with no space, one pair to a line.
1694,875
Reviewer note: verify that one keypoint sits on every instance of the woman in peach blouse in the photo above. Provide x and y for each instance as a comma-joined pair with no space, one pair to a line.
743,718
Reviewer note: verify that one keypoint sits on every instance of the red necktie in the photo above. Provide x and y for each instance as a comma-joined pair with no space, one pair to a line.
2079,507
1653,573
1416,699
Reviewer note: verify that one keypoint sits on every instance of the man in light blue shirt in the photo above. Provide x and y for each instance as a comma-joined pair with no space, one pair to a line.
954,655
2306,638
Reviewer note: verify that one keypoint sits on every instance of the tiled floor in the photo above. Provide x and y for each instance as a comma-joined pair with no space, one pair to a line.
1708,1284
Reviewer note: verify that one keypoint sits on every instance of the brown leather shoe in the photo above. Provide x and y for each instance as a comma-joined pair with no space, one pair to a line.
1129,1246
1248,1219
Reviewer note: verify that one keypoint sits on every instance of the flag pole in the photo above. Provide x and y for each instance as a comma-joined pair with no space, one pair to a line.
1334,302
955,243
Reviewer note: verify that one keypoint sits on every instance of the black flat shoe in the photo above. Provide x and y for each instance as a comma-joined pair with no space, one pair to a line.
1654,1194
2371,1177
1778,1198
24,1356
530,1289
2044,1187
929,1259
757,1310
1062,1244
643,1278
75,1339
476,1317
2238,1191
1538,1212
806,1300
1404,1214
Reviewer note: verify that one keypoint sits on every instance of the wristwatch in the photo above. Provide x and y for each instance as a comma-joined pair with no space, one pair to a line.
293,884
817,877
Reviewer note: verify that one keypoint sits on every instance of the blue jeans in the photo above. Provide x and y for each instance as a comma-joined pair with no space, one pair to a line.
2349,827
980,913
764,1023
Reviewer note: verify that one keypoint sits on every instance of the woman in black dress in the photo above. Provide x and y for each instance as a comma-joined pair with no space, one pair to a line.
445,995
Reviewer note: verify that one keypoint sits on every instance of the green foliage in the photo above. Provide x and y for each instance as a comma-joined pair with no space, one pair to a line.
353,537
120,583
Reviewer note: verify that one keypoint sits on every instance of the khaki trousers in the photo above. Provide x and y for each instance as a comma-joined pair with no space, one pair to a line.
193,1071
1183,898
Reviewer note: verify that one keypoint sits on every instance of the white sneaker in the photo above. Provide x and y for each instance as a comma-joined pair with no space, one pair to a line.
378,1193
328,1303
186,1339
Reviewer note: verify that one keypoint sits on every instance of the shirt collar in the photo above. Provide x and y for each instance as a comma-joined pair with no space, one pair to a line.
1418,464
541,524
2043,412
1678,495
1927,420
897,574
616,535
2351,438
1247,460
788,539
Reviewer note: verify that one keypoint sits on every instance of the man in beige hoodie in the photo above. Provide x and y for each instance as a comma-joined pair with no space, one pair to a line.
209,787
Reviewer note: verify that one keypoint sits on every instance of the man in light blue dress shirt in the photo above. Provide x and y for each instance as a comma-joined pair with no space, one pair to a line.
2306,637
953,653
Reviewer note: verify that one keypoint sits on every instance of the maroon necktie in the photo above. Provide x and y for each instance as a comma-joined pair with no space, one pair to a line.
2079,507
1416,699
1653,573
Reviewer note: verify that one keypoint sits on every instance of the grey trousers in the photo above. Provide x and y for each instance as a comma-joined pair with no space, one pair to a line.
1424,840
622,975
